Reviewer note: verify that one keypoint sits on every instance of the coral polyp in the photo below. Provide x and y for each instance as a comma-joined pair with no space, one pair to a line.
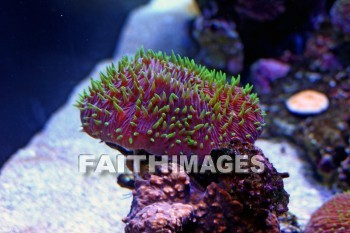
168,105
333,216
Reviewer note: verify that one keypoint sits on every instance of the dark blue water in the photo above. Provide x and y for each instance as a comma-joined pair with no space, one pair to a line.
46,48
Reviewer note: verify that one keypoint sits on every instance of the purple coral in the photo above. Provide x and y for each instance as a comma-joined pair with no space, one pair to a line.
168,105
265,71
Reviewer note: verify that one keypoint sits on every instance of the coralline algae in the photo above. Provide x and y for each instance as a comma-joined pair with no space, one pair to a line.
171,200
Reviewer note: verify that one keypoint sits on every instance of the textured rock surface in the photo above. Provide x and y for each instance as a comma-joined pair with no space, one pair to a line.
323,136
41,189
234,202
305,195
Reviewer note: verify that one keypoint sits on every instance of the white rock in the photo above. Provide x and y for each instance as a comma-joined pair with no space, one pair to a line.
162,25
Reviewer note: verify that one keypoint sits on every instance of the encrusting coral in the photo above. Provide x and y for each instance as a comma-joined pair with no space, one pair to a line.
172,201
333,216
168,105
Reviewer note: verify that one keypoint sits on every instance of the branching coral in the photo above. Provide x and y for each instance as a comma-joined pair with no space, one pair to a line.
333,216
231,202
168,105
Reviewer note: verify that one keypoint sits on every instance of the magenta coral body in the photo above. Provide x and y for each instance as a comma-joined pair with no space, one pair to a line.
168,105
333,216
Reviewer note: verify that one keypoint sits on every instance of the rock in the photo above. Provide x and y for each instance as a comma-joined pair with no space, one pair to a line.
219,44
41,189
212,202
265,70
305,196
161,25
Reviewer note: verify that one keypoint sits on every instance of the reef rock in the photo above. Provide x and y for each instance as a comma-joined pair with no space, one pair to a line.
324,136
40,187
234,202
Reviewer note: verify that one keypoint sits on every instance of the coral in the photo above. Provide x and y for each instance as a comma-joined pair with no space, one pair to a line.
266,70
219,43
333,216
325,136
340,15
159,104
168,105
307,102
234,202
160,217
